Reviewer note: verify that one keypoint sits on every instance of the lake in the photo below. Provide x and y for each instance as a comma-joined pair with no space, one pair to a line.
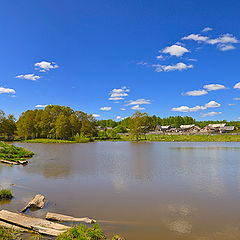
143,191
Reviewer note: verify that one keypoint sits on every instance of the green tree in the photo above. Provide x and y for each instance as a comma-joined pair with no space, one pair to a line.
63,127
89,128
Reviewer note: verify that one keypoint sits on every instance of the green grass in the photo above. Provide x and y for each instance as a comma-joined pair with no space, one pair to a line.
5,194
13,153
47,140
80,232
8,234
184,138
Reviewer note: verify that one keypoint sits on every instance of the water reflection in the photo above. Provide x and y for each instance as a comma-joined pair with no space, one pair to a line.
168,190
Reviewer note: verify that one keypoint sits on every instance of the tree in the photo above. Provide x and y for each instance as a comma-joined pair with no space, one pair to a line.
89,126
139,124
62,127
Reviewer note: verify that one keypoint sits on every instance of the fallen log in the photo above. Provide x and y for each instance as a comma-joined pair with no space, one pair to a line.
36,202
32,223
11,226
9,162
64,218
23,162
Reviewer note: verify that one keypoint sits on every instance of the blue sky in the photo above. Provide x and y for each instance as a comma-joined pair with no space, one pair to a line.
110,58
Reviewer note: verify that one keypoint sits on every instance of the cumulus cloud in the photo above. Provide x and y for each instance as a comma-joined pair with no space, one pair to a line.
106,108
40,106
237,99
137,107
123,109
119,93
95,115
213,87
139,102
30,76
212,104
237,85
175,50
224,42
207,29
45,66
186,109
210,114
7,90
231,104
142,63
196,93
167,68
118,117
160,57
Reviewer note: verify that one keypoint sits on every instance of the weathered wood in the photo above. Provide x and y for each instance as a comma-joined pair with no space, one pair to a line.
9,162
23,162
36,202
65,218
32,223
11,226
47,231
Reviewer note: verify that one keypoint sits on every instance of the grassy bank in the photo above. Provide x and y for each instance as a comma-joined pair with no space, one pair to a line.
13,153
185,138
47,140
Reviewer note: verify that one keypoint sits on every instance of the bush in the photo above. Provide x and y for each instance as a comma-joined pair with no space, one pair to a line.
7,234
81,139
80,232
5,194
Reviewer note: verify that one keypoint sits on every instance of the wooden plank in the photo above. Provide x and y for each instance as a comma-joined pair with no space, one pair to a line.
36,202
65,218
9,162
47,231
11,226
30,222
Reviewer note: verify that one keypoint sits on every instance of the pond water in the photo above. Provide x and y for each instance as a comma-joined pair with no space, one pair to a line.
143,191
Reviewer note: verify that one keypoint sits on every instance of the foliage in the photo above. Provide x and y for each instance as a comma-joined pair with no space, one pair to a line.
47,140
80,232
6,234
89,125
139,124
81,139
11,152
7,125
5,194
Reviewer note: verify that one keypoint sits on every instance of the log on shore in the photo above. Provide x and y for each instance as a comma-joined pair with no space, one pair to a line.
32,223
36,202
65,218
13,227
9,162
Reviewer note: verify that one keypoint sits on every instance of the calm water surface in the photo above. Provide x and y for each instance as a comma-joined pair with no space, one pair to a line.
146,191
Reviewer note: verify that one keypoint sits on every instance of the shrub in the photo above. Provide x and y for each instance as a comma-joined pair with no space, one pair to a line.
5,194
7,234
80,232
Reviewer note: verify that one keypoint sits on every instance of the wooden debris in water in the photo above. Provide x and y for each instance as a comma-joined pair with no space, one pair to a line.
64,218
9,162
11,226
23,162
32,223
36,202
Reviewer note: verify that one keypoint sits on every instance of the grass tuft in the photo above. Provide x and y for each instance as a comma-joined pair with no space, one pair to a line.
5,194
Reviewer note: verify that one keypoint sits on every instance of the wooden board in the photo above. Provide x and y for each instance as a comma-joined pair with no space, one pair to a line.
21,220
64,218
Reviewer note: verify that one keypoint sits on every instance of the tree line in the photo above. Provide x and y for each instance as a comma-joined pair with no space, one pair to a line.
61,122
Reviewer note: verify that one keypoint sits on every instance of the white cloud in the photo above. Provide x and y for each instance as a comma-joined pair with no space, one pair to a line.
118,117
206,29
142,63
188,109
237,85
106,108
232,104
175,50
196,93
95,115
212,104
210,114
7,90
137,107
40,106
196,37
123,109
139,101
224,42
160,57
185,109
30,76
167,68
237,99
46,66
224,47
119,93
213,87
